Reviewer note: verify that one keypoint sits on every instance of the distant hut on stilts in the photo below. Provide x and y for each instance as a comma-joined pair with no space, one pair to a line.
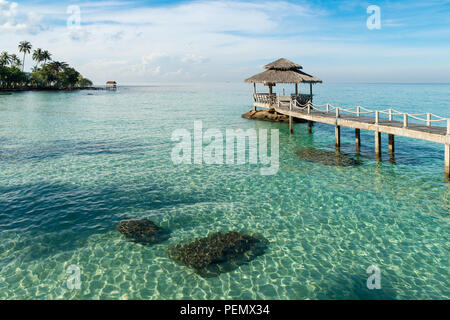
111,85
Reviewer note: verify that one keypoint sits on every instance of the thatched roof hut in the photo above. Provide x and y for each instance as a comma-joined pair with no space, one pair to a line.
283,71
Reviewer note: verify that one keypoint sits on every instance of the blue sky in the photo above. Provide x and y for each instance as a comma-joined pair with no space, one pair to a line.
139,42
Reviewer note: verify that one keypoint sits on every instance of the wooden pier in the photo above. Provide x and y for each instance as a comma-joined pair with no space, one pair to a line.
301,106
384,121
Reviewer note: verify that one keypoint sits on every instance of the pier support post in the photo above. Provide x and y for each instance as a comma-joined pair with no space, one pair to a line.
254,96
358,140
378,145
447,160
392,145
447,152
291,125
310,124
337,133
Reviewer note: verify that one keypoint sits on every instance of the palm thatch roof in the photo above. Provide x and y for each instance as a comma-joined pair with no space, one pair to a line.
283,64
283,71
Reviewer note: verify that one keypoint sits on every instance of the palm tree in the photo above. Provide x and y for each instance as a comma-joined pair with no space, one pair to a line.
38,56
46,56
15,61
24,47
5,59
57,66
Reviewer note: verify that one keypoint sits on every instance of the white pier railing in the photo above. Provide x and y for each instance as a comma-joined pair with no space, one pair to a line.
427,118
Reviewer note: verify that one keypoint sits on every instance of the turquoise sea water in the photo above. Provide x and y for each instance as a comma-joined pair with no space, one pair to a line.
74,164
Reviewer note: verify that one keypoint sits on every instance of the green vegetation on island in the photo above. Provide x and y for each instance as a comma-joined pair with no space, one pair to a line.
45,75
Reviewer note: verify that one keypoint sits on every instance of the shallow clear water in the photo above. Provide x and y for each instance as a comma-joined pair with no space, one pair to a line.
73,165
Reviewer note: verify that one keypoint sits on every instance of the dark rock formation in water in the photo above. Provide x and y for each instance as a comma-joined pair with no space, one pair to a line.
141,230
329,158
268,115
218,252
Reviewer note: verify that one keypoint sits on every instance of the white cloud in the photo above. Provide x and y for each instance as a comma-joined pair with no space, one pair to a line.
156,71
153,56
179,72
146,70
109,63
8,15
79,34
11,20
9,26
214,40
193,58
173,41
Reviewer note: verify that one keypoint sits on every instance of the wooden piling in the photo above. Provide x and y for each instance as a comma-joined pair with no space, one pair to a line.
338,136
378,144
254,96
358,140
391,144
310,126
447,151
447,160
291,125
392,147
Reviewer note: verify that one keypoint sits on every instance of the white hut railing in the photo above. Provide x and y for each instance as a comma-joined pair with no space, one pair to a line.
265,98
272,99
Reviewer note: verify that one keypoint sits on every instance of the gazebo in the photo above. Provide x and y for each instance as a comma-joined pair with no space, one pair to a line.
281,71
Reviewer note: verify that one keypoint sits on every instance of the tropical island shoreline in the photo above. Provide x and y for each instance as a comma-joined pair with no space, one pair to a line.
93,88
46,75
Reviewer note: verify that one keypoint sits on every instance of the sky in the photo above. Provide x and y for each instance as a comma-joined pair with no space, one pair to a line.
159,41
